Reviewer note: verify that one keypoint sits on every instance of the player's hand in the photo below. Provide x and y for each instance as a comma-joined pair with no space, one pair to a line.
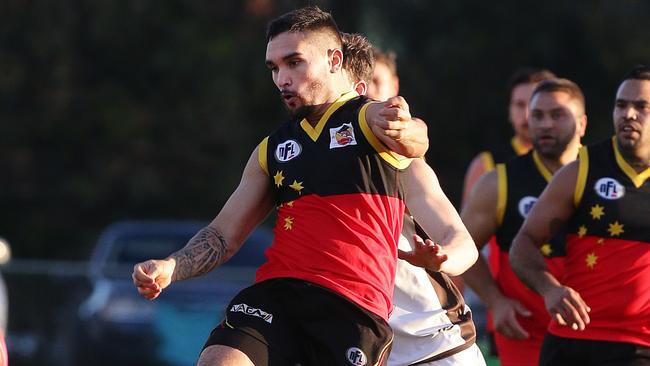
567,307
394,118
152,276
504,314
425,254
391,122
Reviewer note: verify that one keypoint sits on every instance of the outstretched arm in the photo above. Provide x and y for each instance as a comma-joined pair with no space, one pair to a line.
216,243
432,210
549,214
392,123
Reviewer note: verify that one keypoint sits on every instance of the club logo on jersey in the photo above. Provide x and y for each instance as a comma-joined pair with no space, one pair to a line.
609,188
287,150
342,136
525,205
248,310
356,356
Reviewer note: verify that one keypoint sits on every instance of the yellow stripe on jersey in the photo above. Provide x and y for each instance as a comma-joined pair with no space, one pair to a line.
583,169
637,178
314,132
384,351
502,192
488,160
388,156
543,170
518,147
261,154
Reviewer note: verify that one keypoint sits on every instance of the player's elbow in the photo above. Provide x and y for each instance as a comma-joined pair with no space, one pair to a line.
466,255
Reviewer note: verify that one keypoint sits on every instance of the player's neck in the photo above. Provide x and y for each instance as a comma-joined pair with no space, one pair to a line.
521,145
554,163
319,110
637,157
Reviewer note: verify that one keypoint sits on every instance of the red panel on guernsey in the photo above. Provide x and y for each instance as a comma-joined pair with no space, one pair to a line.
512,287
355,256
619,296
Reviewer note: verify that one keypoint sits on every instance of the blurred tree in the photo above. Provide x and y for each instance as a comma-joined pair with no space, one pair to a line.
114,109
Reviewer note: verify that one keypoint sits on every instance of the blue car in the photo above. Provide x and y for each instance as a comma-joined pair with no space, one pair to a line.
119,327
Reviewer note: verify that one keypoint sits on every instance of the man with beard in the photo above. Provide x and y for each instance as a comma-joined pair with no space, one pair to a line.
600,308
324,294
499,205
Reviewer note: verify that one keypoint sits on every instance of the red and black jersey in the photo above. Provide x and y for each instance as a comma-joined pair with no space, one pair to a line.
340,205
520,182
501,153
608,247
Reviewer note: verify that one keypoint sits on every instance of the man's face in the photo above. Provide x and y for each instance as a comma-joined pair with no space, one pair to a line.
518,110
555,120
299,66
632,114
384,84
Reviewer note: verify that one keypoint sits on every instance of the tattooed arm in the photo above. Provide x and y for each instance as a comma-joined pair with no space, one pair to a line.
216,243
549,214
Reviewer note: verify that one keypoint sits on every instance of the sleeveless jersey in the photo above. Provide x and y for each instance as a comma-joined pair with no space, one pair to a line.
520,182
430,320
502,153
608,247
340,205
496,155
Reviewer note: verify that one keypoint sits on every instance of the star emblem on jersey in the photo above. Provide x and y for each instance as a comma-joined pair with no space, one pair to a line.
597,211
297,186
546,249
615,229
290,203
278,178
582,231
288,223
591,260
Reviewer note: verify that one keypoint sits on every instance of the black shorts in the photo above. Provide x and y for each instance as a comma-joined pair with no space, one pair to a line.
560,351
286,322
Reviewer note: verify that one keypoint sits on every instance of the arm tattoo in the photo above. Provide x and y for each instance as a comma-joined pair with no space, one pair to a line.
205,251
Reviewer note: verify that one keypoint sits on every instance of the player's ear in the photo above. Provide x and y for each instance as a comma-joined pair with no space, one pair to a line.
582,125
335,58
361,87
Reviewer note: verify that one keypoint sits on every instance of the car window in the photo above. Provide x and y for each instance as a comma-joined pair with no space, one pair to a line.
138,248
128,250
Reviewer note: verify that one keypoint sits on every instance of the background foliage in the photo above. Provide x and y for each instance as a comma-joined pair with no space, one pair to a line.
149,109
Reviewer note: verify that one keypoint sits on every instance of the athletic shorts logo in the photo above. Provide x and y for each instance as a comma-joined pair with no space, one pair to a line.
342,136
609,188
356,356
525,205
287,150
248,310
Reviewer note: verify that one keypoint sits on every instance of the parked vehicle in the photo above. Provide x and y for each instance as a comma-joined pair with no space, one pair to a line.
119,327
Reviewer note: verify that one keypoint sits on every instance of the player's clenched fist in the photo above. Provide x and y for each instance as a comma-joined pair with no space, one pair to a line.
152,276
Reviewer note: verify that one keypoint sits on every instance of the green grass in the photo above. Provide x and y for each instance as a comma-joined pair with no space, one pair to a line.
490,360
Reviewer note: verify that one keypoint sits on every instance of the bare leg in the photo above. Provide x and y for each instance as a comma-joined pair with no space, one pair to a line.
219,355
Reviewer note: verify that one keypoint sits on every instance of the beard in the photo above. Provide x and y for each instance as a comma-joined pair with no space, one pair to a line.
302,112
555,150
304,108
